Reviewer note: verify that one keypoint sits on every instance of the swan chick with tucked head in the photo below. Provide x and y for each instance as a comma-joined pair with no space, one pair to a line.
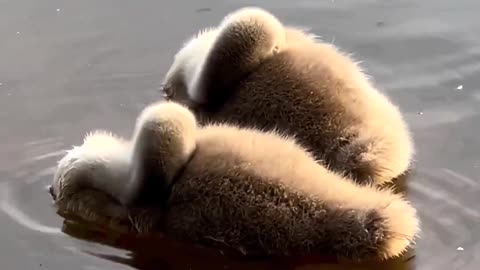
252,71
108,179
228,187
189,74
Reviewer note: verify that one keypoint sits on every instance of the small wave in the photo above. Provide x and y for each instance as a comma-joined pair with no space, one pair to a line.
457,202
20,217
48,155
435,78
50,171
440,116
42,141
462,178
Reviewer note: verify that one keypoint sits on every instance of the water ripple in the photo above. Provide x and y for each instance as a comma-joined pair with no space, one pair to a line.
8,206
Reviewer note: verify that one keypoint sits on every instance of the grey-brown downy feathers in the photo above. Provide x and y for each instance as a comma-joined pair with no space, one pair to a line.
252,71
239,188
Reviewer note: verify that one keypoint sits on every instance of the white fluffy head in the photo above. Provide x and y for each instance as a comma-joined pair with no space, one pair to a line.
184,75
101,162
189,60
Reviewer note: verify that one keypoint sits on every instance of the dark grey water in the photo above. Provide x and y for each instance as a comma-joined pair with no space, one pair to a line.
67,67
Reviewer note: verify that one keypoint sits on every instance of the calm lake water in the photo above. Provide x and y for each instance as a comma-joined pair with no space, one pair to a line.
67,67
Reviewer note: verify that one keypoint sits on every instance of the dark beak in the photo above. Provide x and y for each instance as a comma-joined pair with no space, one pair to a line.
167,92
52,193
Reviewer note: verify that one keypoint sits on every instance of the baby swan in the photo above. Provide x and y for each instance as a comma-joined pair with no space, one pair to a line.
253,71
228,187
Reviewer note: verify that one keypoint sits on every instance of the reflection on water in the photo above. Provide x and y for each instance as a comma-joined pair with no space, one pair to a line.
70,67
8,206
161,253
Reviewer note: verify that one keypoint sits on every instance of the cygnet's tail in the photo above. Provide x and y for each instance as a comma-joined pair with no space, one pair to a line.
377,160
381,232
358,222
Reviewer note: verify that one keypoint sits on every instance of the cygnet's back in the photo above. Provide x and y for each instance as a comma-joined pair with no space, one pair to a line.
261,193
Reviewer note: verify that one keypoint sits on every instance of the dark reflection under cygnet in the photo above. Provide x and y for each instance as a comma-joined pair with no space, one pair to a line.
400,184
160,252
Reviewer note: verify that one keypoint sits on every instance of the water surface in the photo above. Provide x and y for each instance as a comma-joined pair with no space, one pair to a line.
67,67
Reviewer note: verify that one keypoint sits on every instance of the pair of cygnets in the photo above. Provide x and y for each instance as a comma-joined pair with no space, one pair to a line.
275,149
